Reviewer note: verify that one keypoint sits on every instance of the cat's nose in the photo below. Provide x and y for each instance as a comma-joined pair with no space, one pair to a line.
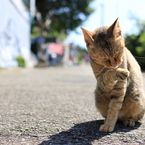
113,63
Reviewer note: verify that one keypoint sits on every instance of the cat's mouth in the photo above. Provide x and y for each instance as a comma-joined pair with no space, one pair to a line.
112,67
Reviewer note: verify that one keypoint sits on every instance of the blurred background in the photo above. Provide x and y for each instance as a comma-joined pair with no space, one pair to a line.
43,33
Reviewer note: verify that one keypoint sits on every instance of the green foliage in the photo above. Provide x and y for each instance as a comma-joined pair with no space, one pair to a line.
81,53
21,61
65,15
35,31
136,44
81,49
80,57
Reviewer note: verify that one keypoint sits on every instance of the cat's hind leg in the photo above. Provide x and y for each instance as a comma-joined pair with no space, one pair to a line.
129,122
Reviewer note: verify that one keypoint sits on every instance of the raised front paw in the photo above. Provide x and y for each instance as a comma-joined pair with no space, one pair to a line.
122,74
106,128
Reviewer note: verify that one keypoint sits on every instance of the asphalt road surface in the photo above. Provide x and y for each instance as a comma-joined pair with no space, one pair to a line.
55,106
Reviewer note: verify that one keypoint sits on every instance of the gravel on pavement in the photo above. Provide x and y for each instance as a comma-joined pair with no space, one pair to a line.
55,106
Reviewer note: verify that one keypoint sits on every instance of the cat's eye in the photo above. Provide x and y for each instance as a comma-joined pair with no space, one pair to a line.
118,53
115,59
106,60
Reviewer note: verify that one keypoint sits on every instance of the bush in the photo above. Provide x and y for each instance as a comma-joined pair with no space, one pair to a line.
136,44
21,61
80,58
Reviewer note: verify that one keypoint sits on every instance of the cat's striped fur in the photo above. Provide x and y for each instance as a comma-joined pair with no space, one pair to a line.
119,92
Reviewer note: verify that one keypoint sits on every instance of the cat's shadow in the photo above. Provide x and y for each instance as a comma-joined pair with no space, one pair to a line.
84,133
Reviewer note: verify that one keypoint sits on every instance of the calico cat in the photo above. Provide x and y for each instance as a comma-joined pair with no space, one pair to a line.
119,92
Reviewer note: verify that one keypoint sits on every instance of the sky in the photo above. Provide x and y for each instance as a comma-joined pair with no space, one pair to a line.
106,12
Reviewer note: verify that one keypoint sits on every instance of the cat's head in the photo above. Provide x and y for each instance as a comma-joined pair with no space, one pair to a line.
105,45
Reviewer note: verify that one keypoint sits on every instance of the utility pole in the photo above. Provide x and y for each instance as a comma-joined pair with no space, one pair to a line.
32,7
102,14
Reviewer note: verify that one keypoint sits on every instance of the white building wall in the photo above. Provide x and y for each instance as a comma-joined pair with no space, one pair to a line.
14,32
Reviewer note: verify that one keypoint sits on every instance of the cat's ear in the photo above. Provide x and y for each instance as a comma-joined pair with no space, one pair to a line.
87,36
115,29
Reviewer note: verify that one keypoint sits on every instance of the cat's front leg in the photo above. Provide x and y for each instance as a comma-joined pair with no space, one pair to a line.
116,99
112,114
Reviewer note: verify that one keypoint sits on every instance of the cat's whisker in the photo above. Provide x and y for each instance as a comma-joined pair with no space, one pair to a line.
113,68
102,69
116,67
